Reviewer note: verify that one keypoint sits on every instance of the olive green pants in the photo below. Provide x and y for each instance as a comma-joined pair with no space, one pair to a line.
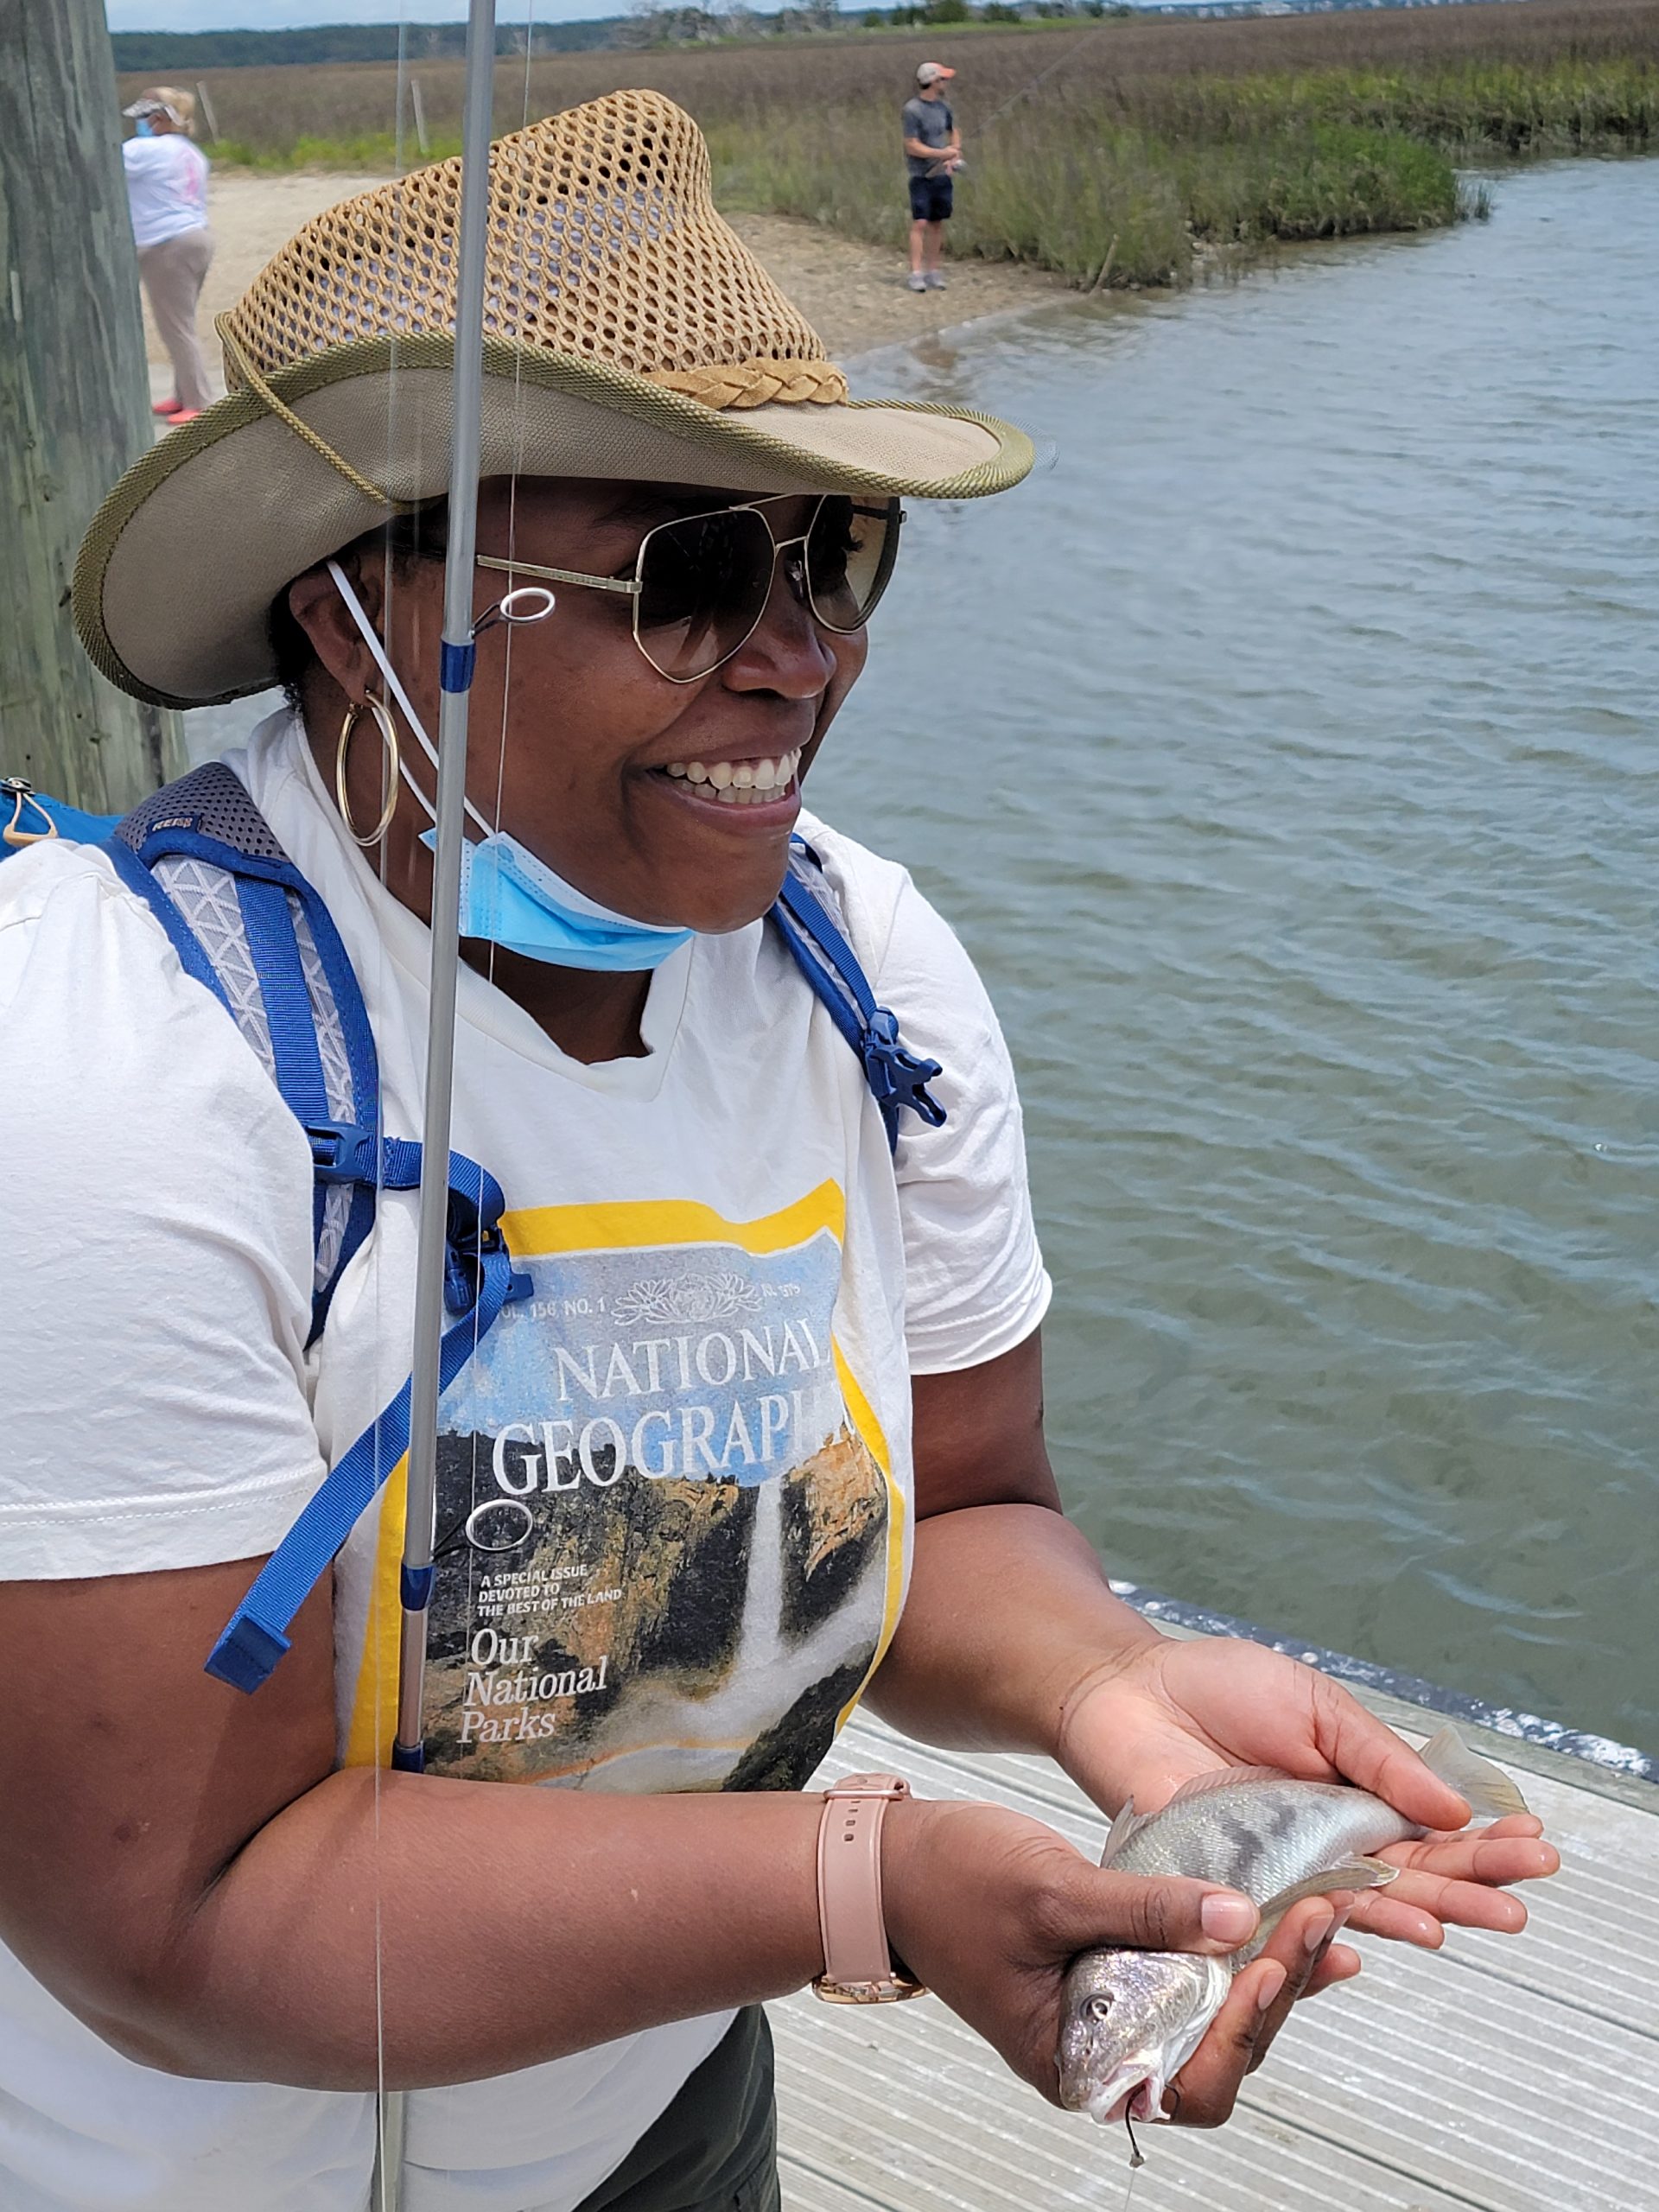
715,2148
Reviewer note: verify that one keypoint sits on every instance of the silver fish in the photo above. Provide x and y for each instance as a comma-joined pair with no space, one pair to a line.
1131,2019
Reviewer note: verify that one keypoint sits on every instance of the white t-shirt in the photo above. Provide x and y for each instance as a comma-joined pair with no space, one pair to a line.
675,1481
167,186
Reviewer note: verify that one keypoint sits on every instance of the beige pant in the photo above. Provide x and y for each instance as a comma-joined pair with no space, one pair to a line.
173,273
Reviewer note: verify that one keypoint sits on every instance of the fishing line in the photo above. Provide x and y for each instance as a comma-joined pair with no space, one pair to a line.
386,2181
519,292
1042,76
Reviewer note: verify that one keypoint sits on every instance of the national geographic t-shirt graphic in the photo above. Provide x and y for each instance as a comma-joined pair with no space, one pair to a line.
663,1537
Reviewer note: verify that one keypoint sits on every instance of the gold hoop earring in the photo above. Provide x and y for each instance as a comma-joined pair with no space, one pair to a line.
391,766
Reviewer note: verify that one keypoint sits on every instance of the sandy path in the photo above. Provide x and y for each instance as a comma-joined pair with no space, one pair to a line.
854,296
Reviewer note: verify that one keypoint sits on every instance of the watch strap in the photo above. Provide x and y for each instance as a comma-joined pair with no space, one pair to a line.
857,1965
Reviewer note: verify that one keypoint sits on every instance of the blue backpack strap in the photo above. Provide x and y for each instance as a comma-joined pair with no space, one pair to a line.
246,924
808,917
248,927
479,1280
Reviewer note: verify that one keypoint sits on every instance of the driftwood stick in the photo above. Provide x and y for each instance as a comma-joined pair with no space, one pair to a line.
1105,268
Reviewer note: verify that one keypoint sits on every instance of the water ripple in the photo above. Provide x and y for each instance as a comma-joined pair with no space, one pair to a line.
1286,757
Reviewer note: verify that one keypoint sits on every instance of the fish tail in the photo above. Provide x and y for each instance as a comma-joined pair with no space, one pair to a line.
1489,1790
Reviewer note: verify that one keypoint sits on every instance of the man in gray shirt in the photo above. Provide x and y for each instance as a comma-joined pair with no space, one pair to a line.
932,156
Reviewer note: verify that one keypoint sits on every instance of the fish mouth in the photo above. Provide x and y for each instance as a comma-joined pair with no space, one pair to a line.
1132,2091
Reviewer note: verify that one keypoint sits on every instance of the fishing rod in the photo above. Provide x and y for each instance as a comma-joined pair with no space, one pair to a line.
456,654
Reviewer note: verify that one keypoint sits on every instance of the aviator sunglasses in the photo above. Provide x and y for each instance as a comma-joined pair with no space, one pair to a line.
700,584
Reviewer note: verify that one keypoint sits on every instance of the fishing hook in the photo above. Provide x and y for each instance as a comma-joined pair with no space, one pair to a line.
1137,2155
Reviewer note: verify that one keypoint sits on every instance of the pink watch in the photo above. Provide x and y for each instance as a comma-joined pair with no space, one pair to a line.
858,1968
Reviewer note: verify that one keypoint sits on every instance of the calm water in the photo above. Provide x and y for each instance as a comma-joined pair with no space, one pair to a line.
1286,754
1286,757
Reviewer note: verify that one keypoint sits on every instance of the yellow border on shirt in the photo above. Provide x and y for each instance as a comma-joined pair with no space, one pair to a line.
862,1415
646,1223
628,1225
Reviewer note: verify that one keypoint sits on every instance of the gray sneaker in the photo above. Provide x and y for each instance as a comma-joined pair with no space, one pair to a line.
934,280
918,282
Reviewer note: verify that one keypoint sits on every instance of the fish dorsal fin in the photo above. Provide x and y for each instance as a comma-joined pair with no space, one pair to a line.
1487,1789
1126,1822
1352,1874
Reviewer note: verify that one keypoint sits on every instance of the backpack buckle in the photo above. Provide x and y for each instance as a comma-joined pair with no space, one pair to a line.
897,1076
464,1262
344,1152
520,1286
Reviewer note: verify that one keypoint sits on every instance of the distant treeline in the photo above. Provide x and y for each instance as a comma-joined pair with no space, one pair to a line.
164,53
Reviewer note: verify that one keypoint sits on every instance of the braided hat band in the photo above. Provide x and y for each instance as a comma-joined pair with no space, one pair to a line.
757,384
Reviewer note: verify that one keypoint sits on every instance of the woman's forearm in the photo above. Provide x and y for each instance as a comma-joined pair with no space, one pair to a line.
1008,1615
426,1930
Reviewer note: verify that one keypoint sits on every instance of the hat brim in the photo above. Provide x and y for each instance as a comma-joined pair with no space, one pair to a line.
177,573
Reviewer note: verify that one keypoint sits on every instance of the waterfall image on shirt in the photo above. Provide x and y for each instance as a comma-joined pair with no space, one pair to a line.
663,1540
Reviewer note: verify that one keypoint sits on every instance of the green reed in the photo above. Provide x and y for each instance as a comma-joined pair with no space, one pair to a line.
1062,193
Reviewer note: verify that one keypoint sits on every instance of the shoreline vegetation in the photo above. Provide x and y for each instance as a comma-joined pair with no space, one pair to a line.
1129,155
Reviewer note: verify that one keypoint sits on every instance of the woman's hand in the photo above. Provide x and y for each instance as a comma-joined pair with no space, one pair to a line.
989,1908
1165,1714
1171,1711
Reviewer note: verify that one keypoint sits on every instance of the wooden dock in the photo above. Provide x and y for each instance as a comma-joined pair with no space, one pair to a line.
1500,2075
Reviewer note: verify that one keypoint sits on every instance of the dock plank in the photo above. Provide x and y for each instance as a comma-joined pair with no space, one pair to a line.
1495,2076
902,2124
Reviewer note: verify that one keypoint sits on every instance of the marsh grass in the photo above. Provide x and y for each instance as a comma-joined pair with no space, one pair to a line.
1155,141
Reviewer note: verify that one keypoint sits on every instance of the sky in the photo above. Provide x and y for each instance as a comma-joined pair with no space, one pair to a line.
287,15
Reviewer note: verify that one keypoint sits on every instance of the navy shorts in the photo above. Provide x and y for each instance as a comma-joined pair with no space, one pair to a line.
930,199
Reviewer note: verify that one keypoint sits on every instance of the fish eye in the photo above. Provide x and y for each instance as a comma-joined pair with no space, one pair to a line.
1098,2007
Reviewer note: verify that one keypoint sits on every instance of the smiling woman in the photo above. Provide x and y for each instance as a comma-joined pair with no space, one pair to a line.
754,1429
636,738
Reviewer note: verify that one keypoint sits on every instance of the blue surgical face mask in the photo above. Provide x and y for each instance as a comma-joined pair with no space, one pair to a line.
141,127
508,897
512,899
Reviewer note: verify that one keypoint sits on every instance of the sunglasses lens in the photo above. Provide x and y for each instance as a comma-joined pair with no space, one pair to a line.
849,556
703,584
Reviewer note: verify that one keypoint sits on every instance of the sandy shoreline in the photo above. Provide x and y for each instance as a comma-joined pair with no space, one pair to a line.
854,295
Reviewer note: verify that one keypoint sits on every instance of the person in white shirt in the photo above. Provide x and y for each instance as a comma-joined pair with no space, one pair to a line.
166,195
764,1436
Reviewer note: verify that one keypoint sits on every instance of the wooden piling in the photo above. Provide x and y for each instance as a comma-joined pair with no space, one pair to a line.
75,403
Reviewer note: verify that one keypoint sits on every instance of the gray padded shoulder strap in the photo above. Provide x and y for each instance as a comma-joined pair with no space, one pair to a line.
210,802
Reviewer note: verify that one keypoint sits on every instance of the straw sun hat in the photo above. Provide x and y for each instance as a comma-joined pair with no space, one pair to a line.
628,332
